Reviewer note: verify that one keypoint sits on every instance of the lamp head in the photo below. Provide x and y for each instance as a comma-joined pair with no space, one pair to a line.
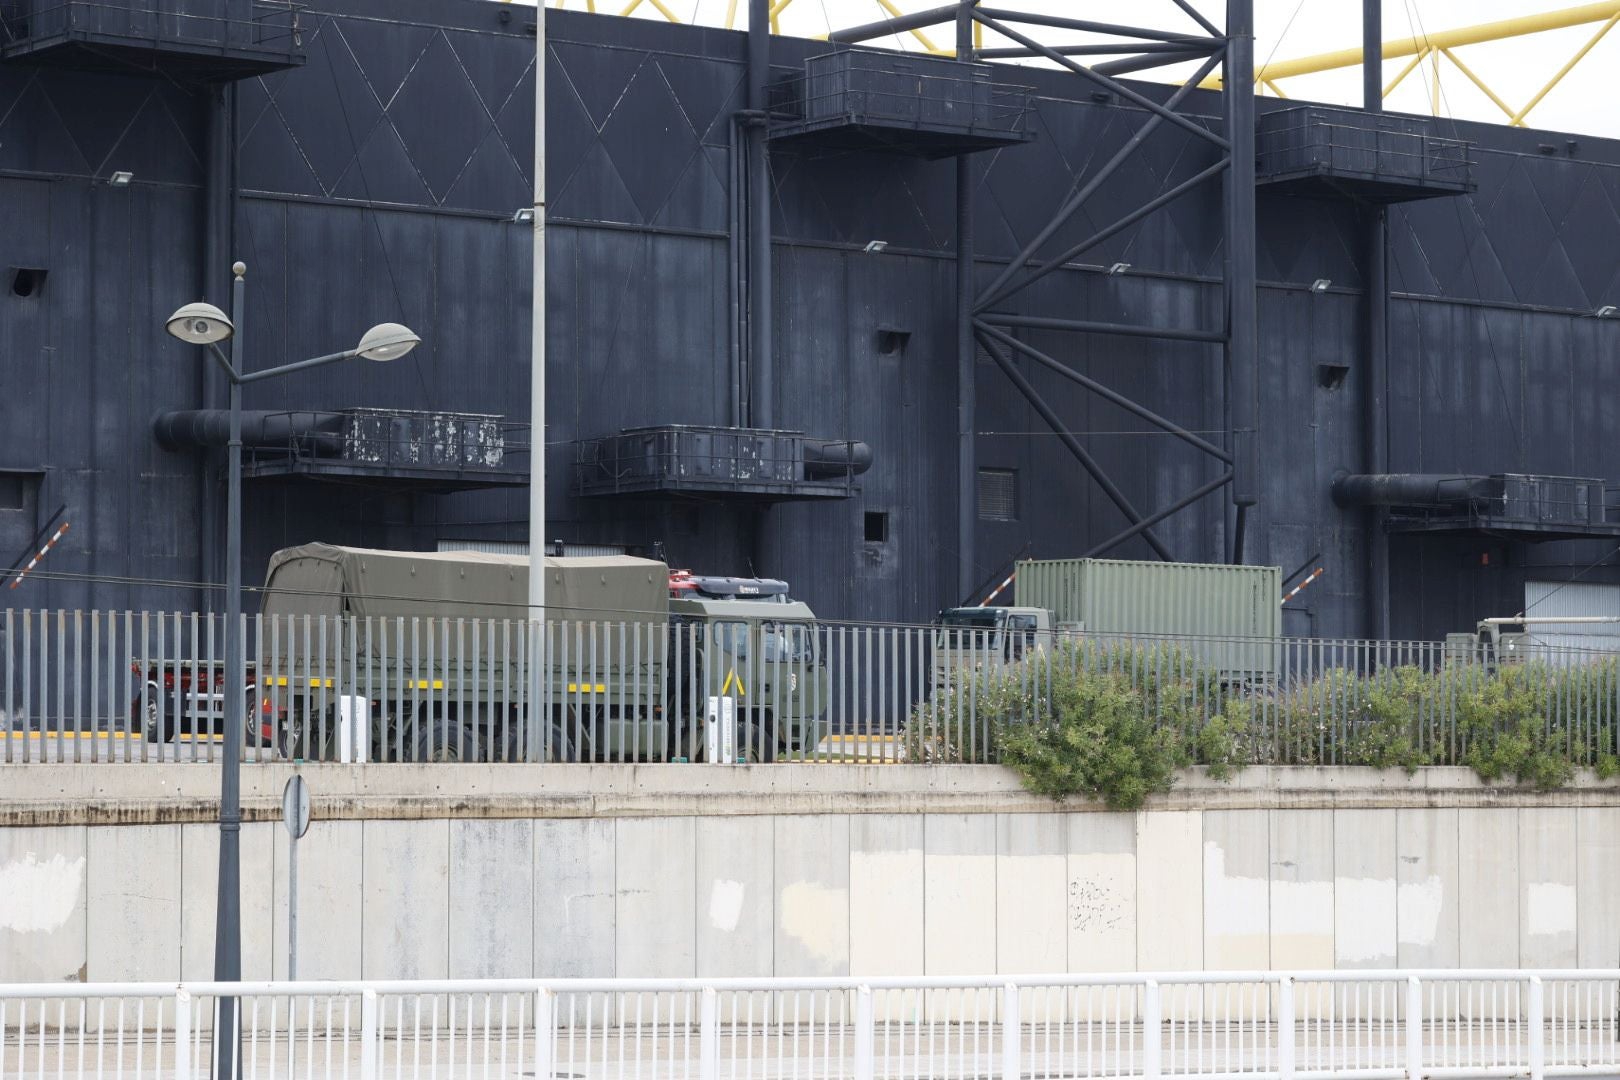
387,341
200,324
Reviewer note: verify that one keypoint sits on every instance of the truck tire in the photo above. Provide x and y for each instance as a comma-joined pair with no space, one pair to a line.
444,741
562,748
756,743
155,727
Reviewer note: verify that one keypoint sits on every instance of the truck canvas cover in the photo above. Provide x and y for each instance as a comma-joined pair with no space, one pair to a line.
327,580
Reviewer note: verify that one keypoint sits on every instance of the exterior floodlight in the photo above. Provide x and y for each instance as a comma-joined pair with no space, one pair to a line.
120,179
387,341
1119,268
1606,311
524,216
1320,285
200,324
877,247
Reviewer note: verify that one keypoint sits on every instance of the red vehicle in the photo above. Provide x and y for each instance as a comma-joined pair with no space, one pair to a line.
188,697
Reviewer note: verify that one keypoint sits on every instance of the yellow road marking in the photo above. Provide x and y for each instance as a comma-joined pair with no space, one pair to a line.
103,735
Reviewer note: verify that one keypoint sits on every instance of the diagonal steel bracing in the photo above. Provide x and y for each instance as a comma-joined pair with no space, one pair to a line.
1138,49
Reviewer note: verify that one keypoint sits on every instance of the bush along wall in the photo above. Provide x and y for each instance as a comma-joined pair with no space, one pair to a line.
1113,721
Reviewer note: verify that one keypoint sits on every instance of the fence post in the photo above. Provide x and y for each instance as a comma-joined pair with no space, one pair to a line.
709,1035
865,1035
1285,1028
1152,1032
1537,1030
182,1034
1012,1030
1414,1028
368,1035
545,1033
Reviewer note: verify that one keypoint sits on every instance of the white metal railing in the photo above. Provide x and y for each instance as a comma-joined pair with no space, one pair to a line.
1250,1025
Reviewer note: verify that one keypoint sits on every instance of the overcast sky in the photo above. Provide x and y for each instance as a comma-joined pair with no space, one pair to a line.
1515,69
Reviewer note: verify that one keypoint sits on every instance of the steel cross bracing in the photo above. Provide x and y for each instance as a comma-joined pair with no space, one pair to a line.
984,322
982,315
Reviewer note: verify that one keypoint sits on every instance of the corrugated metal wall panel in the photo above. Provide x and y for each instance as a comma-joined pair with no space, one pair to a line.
1543,599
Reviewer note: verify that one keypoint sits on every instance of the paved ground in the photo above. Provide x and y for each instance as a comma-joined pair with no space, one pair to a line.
901,1053
21,746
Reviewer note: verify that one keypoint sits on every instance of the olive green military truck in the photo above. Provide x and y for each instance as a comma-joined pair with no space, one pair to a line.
427,656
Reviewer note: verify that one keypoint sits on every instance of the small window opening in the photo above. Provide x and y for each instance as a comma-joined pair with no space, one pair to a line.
998,494
18,490
892,342
27,280
1331,376
877,527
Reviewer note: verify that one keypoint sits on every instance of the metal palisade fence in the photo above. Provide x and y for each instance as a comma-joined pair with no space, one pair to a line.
84,686
1272,1025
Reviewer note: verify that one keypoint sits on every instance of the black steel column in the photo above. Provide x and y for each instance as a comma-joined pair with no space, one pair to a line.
219,185
967,517
1242,350
761,367
1376,381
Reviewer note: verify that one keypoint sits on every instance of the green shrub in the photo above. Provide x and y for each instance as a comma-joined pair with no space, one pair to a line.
1101,743
1112,720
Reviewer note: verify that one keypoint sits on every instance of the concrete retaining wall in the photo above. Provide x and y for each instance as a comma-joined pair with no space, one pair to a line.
680,871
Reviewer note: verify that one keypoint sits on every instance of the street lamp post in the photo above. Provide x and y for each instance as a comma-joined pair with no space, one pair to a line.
206,325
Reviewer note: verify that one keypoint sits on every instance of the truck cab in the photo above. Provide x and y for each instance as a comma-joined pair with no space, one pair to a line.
1494,642
761,648
973,636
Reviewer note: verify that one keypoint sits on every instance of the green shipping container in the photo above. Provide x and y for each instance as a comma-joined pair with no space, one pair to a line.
1213,605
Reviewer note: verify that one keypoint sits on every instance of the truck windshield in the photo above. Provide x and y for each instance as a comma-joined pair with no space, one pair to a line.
971,628
733,638
786,642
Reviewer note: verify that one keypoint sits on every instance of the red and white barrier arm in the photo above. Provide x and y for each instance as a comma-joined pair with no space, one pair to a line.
44,551
999,589
1318,572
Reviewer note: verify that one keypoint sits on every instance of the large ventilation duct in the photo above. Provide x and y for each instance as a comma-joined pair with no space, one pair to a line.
192,428
828,459
1409,489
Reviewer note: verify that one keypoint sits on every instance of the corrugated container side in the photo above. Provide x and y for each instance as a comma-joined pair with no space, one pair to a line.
1195,600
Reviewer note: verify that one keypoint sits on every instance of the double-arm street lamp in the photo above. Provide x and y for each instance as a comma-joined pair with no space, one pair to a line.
206,325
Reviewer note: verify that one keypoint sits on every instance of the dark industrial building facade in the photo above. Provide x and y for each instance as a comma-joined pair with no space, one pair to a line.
380,178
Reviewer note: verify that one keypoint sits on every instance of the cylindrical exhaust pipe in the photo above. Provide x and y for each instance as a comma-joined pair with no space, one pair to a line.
828,459
1408,489
187,429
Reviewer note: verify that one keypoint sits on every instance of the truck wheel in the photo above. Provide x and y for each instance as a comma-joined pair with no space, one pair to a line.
562,748
756,744
445,742
290,736
154,725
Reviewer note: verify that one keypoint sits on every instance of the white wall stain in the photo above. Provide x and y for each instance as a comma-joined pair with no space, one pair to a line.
726,904
1417,910
818,919
1551,908
1233,905
40,896
1366,924
1302,907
